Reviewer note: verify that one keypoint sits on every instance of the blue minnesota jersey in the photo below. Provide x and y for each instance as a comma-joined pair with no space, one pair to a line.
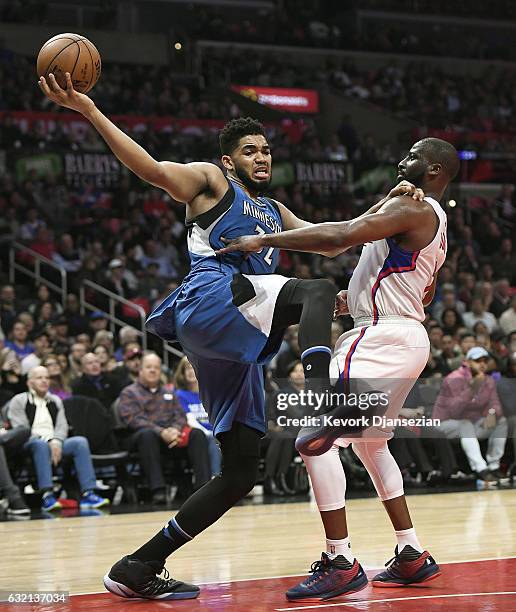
222,312
235,215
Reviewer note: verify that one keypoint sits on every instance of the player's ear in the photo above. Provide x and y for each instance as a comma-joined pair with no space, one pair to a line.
435,169
227,162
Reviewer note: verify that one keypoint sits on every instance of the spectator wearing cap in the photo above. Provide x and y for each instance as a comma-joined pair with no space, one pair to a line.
18,340
98,321
469,408
44,414
116,283
95,383
508,318
159,425
41,343
127,373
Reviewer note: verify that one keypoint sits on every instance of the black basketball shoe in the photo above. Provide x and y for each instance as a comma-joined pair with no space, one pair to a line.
131,578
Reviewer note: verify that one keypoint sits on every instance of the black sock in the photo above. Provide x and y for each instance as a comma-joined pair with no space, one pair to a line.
159,547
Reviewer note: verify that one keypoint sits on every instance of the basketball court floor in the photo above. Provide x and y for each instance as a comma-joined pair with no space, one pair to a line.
249,558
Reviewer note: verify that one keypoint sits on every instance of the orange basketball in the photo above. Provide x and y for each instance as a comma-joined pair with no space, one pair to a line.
70,53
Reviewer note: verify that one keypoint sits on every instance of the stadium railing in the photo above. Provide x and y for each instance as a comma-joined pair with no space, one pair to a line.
38,271
115,300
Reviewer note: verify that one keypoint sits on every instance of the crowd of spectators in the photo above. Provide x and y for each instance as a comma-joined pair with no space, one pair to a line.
310,23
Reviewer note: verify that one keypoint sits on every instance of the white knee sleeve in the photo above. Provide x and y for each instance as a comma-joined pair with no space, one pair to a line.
381,466
328,479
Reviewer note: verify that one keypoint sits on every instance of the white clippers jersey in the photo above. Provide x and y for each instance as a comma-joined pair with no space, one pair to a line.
390,282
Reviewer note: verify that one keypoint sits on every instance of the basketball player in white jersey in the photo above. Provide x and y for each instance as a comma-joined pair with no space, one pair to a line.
405,244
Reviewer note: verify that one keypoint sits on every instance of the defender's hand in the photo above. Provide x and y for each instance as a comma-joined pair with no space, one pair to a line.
341,304
245,244
69,98
406,188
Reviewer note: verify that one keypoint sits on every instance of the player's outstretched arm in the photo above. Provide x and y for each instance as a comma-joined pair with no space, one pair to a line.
397,216
290,221
182,181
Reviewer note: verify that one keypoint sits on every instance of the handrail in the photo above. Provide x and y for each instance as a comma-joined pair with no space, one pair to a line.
35,274
114,298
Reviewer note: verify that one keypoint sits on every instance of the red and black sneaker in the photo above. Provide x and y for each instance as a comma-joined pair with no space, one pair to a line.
407,567
329,578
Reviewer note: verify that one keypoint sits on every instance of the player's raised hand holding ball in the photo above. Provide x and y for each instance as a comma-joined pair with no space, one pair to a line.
68,66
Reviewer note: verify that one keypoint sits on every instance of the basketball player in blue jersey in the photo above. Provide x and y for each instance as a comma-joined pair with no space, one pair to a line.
229,314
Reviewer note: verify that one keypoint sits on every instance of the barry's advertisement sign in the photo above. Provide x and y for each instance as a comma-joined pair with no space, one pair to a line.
282,98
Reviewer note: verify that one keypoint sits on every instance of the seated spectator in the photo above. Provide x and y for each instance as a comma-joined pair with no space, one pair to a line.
77,323
11,441
508,318
98,322
41,348
107,360
61,338
126,334
18,340
105,338
8,308
288,354
467,341
77,352
451,320
116,282
66,256
280,439
58,384
49,442
450,354
84,339
12,380
501,297
469,409
478,313
127,373
448,300
413,447
159,425
506,388
186,389
95,383
43,296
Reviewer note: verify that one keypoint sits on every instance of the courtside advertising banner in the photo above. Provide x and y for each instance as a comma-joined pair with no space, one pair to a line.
282,98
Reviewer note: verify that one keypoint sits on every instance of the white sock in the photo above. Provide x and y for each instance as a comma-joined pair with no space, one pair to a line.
408,536
339,547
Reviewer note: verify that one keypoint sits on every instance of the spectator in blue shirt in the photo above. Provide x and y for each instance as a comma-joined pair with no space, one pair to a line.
187,392
18,340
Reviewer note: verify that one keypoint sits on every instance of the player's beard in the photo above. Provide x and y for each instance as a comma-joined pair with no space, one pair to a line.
415,177
250,183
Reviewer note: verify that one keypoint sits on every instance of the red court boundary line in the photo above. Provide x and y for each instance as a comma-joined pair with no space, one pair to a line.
366,602
366,567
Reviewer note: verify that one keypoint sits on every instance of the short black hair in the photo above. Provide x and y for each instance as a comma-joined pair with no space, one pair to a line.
442,152
235,129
